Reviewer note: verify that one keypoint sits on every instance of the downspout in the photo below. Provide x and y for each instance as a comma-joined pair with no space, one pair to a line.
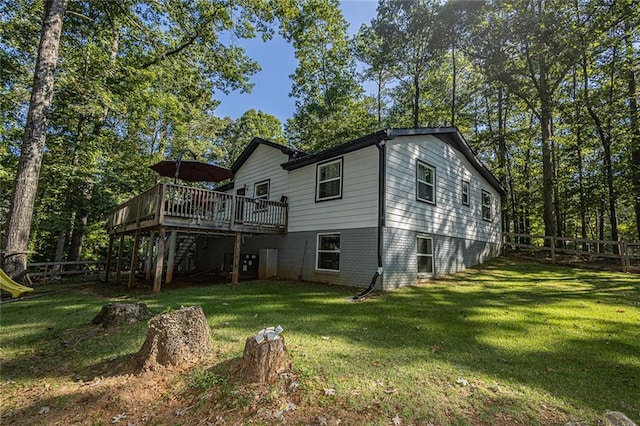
382,174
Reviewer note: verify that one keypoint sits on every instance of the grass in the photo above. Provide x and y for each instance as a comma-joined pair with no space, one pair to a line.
512,341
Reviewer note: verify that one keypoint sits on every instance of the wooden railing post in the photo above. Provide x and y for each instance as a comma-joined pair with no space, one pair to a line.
622,249
107,271
553,249
134,260
157,279
119,259
235,270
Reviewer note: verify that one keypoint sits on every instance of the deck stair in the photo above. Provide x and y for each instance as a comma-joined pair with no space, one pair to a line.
183,248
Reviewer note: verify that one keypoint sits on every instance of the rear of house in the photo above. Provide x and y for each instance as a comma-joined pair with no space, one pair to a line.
412,203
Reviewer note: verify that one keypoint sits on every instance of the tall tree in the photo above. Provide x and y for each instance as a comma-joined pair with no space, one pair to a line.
26,183
407,31
532,63
329,101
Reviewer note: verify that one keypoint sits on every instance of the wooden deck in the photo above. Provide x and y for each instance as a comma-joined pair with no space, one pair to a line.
197,210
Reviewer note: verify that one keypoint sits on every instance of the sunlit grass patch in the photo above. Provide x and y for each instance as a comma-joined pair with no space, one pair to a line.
510,341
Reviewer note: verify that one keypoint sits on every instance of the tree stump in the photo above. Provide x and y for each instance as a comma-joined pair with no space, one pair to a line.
113,314
175,338
264,362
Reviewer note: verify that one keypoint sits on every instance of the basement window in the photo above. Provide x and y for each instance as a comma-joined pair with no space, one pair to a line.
328,252
425,256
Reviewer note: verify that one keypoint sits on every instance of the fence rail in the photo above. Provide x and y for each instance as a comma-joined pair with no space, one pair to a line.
626,252
44,271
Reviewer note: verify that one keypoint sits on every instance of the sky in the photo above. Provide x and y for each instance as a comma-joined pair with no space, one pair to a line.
272,85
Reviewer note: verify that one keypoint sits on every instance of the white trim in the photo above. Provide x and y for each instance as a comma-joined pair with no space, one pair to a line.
487,206
431,255
339,179
321,234
420,180
466,185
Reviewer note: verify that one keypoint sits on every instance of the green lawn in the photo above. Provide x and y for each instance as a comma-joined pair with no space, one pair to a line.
511,341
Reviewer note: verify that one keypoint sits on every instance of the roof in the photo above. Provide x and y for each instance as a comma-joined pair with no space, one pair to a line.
255,142
449,135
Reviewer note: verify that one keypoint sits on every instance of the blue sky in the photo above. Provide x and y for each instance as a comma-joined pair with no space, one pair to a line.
272,85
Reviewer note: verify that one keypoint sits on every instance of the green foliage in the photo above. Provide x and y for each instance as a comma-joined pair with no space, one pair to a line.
330,107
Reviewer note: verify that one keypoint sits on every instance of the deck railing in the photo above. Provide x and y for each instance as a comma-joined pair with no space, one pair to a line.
181,206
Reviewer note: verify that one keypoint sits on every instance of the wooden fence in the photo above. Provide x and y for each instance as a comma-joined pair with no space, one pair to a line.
44,271
628,253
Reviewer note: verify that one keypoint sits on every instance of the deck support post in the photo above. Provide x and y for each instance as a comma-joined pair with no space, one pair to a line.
119,259
107,269
149,260
173,238
235,274
134,260
157,279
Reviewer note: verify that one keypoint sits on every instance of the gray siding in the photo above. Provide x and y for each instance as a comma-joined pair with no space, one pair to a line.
451,254
447,216
297,251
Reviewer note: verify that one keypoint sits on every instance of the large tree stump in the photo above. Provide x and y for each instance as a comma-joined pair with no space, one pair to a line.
113,314
175,338
264,362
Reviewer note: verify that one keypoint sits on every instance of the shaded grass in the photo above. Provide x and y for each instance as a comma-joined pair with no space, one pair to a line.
536,344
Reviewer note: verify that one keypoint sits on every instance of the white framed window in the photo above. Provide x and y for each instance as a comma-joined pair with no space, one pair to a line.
465,191
424,253
328,252
261,193
487,199
329,180
425,182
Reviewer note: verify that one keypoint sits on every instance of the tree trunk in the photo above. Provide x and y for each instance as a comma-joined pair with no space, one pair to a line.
635,124
454,88
26,182
547,170
416,99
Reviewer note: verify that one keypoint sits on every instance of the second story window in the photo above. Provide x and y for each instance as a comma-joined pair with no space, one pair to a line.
465,192
329,180
261,190
261,193
425,182
486,205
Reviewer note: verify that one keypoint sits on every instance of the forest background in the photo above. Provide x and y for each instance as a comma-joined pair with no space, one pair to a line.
544,91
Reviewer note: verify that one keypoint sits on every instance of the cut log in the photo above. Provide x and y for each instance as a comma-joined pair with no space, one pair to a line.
175,338
115,314
264,362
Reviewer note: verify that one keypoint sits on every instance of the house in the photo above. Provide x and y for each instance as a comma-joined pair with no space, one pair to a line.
410,204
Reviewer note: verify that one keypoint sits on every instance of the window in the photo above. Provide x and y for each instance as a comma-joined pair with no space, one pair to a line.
328,253
261,193
486,205
425,182
261,190
465,192
425,256
329,180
